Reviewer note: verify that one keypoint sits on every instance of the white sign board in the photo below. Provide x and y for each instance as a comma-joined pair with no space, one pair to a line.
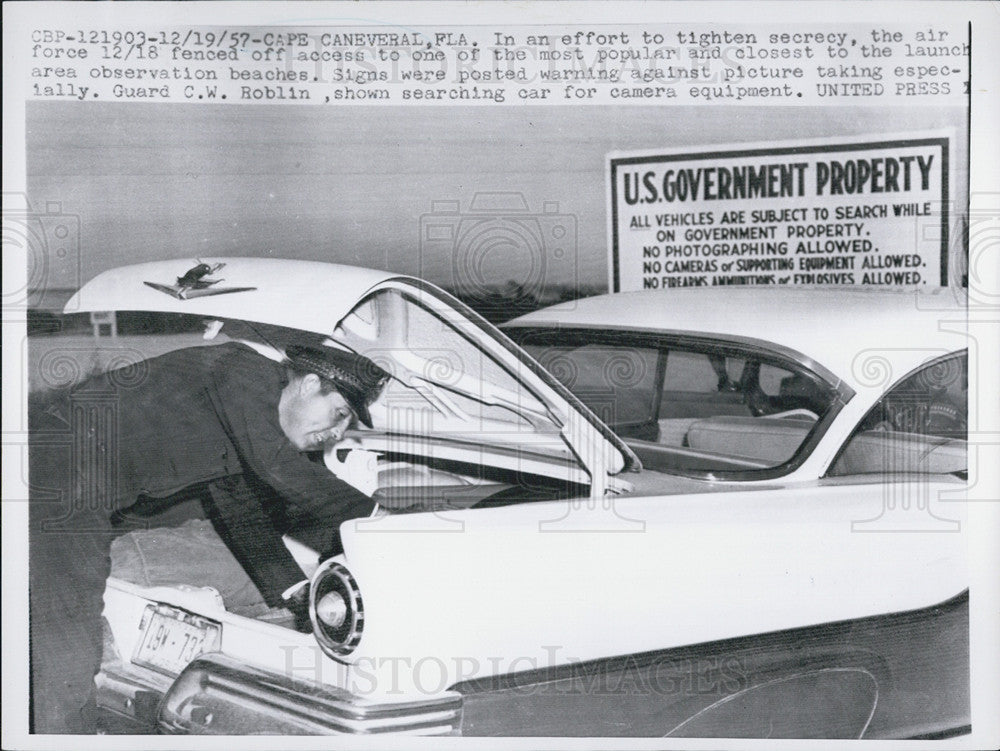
867,212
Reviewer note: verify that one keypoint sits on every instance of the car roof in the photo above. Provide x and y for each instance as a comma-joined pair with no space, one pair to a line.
305,295
837,327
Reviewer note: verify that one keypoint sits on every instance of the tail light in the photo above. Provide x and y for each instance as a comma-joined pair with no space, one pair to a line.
336,609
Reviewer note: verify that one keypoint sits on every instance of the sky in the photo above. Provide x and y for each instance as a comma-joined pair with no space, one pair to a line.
366,185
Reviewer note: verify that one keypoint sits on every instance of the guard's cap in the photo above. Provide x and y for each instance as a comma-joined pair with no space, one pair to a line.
358,379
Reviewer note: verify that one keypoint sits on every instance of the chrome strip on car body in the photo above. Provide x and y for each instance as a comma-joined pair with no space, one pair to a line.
217,695
656,693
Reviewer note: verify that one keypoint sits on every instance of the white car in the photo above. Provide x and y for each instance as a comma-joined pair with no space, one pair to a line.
732,567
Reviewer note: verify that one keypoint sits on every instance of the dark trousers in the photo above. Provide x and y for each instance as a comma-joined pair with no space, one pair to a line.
69,537
67,573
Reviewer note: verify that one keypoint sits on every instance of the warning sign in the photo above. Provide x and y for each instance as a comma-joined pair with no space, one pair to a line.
860,213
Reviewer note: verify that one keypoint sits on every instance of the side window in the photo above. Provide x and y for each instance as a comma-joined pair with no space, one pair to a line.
616,382
772,379
441,376
919,426
698,372
691,406
699,384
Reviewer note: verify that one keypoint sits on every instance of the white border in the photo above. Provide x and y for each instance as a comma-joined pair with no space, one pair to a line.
984,197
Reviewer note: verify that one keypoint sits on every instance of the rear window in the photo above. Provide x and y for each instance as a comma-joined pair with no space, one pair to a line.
617,383
685,405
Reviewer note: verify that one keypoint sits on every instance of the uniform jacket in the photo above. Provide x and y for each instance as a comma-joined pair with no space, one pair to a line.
191,416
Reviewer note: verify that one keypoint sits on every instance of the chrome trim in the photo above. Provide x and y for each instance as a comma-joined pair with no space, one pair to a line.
335,577
770,350
532,679
127,693
502,337
216,695
127,697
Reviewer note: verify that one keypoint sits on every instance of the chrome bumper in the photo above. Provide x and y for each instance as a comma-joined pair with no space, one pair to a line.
128,703
216,695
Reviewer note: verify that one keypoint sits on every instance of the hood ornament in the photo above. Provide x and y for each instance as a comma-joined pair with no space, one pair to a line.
196,283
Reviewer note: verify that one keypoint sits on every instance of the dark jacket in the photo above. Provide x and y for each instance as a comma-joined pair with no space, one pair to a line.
191,416
203,419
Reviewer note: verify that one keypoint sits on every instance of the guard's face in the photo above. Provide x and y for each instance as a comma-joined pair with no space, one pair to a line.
311,418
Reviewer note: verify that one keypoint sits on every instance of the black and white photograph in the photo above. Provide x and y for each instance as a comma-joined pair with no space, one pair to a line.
549,374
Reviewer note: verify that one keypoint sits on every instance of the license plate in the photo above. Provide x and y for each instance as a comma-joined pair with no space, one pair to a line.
171,638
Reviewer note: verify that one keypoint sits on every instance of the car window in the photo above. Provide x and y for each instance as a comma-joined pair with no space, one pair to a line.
721,412
771,379
919,426
443,381
700,372
618,383
701,384
688,406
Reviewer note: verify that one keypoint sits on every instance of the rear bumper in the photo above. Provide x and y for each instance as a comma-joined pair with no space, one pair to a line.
216,695
128,704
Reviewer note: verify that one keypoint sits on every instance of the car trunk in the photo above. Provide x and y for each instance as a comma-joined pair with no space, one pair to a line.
191,554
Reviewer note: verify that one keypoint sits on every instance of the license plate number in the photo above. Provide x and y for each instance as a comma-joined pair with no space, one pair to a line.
171,638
